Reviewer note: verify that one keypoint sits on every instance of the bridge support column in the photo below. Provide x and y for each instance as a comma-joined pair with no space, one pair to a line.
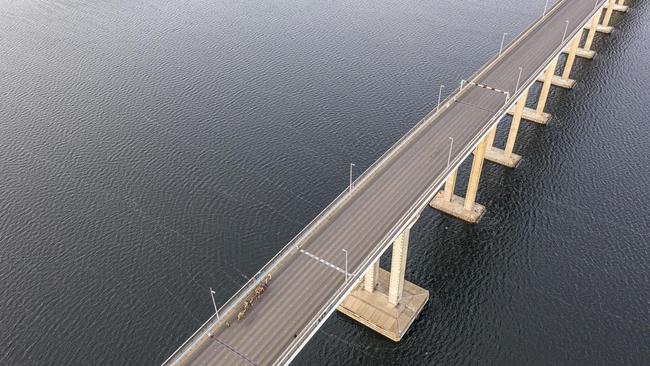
506,157
586,51
475,176
538,115
397,267
563,81
571,58
450,184
371,278
620,6
464,208
489,139
394,303
604,27
611,4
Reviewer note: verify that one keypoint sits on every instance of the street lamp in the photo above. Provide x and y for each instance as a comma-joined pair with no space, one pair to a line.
351,165
439,97
346,265
545,7
518,80
451,145
216,311
503,38
566,28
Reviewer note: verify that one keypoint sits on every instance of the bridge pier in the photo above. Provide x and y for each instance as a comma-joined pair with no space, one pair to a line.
604,27
586,51
538,115
620,6
563,80
398,268
385,302
464,208
371,278
608,15
571,58
506,157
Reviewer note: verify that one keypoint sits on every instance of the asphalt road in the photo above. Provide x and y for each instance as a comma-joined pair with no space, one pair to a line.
298,293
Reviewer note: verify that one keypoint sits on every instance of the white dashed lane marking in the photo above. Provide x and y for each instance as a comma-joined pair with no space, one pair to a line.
321,260
488,87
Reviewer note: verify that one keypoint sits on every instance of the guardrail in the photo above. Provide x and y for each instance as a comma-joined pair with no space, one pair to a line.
428,195
230,306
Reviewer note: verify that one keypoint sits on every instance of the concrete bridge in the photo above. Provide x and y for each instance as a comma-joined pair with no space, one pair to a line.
333,263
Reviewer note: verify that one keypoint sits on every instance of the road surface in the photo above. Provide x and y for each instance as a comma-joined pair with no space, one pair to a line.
278,325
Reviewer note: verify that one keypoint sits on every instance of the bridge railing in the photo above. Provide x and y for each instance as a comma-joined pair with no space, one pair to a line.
356,275
230,307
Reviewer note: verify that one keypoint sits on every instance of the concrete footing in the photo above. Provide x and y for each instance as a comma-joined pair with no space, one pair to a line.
373,310
581,52
530,114
558,81
617,7
607,29
456,207
498,156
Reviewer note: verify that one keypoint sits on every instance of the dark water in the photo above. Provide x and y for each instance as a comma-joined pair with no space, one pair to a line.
150,150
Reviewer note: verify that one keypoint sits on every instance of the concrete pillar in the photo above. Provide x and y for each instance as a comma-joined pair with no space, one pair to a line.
608,12
538,115
592,31
475,175
398,267
496,155
568,66
514,126
393,303
372,277
489,139
548,79
450,184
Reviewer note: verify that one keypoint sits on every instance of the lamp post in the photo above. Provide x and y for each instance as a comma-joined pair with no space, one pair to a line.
439,97
451,145
351,165
566,28
545,7
346,265
503,39
216,311
518,80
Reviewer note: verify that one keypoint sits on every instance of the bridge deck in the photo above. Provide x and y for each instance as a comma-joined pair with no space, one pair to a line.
368,220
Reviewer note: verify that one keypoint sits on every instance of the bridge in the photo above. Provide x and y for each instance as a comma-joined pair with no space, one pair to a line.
333,263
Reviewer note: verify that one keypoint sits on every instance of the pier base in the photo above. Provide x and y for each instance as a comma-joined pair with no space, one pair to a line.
530,114
456,207
607,29
373,310
558,81
618,7
581,52
498,156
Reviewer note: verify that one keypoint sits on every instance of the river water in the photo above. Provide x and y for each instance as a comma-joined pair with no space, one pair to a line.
150,150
